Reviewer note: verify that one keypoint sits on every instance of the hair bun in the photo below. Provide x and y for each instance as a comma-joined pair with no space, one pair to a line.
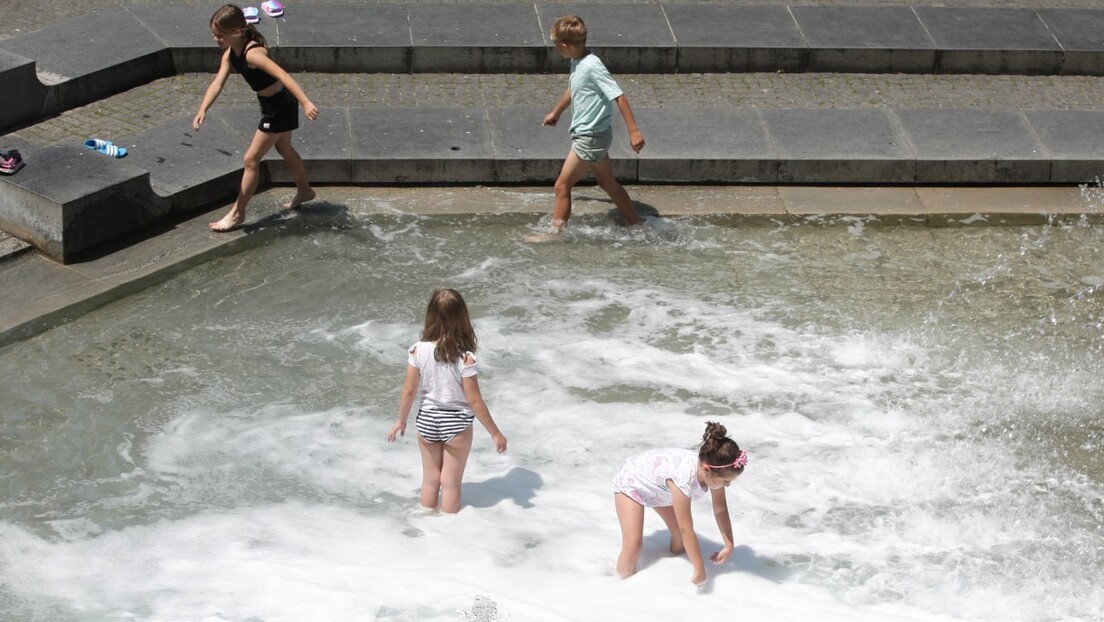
715,431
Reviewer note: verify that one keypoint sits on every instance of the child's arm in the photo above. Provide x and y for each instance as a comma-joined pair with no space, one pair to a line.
685,521
258,57
213,90
636,139
565,100
482,413
409,390
724,523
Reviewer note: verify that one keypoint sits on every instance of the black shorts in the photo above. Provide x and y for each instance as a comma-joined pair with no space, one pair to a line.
279,113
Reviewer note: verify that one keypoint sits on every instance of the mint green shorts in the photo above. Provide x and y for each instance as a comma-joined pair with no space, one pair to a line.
592,147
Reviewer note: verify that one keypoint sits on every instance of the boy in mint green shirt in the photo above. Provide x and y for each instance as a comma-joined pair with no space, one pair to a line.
590,92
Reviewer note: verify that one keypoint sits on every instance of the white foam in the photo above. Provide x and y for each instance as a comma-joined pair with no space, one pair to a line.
884,484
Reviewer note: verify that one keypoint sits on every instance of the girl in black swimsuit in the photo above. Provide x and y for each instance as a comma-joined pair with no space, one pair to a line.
279,95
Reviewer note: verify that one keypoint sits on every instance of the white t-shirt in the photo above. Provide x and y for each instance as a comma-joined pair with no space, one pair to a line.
441,383
643,477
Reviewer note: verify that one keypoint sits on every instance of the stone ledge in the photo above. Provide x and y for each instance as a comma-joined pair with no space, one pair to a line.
68,200
80,61
50,294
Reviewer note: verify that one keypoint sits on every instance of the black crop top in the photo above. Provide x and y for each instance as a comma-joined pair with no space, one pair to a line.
258,80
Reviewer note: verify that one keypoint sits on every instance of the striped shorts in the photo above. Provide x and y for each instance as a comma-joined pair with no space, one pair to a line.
440,425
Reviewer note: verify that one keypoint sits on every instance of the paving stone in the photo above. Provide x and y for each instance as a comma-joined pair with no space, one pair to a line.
696,146
325,143
491,38
973,146
838,146
1078,33
525,150
736,38
977,40
1072,140
627,37
865,39
419,143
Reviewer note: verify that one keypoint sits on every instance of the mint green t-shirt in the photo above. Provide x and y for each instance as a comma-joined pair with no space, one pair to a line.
592,89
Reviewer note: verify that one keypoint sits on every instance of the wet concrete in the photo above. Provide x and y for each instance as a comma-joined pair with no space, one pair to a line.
39,293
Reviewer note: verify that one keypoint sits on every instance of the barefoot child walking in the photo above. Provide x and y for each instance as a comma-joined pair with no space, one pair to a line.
279,95
590,91
443,365
667,480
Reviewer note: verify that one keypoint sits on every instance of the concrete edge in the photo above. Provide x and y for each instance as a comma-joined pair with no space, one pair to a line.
175,55
188,243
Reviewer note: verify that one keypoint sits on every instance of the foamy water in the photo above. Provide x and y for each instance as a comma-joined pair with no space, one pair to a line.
921,408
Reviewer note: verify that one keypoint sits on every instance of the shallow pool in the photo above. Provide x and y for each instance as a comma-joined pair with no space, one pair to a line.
921,406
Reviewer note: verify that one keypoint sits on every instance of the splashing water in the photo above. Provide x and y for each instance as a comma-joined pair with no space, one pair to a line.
921,407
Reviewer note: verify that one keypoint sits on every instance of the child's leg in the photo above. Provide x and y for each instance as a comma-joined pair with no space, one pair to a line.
261,144
294,163
574,168
457,450
631,516
603,174
432,459
668,516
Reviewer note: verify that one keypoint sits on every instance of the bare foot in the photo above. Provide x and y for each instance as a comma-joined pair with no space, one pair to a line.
301,198
232,220
541,238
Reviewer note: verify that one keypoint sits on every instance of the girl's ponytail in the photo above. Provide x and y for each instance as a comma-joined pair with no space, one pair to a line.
253,34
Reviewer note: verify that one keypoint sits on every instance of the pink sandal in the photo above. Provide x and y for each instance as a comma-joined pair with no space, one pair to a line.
273,8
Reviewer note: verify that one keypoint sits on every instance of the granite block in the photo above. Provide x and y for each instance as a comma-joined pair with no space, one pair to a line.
423,145
1078,32
185,31
736,38
865,39
69,199
991,40
191,169
838,146
973,146
82,61
344,39
476,38
699,146
1071,139
525,150
325,145
18,75
629,38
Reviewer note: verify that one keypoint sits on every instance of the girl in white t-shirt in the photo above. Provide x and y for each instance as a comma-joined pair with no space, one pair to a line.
443,365
667,480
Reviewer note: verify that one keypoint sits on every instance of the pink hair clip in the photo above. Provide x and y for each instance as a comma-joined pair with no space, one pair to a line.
741,462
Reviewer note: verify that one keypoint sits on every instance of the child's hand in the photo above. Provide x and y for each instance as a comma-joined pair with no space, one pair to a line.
636,140
698,578
499,442
310,110
399,429
551,118
198,120
721,556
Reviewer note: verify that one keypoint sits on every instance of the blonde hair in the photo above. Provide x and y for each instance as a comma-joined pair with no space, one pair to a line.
447,323
570,29
230,19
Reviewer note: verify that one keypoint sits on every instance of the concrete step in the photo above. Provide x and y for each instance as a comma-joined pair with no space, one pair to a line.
72,63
